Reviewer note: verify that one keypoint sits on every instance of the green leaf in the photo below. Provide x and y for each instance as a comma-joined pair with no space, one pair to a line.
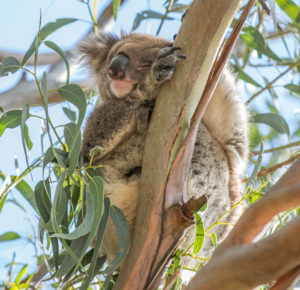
290,8
199,238
24,188
116,6
42,199
25,113
11,119
123,234
9,236
72,135
275,121
21,274
253,38
147,14
293,88
243,76
9,65
257,165
44,33
57,49
96,192
92,271
2,202
70,114
74,94
61,157
28,141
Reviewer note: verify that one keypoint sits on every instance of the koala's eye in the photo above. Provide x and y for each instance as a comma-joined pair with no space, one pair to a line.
144,65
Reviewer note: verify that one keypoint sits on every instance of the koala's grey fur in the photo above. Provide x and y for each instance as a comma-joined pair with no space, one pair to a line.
119,126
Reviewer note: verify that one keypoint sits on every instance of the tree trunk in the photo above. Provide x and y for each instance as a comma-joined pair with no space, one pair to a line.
200,37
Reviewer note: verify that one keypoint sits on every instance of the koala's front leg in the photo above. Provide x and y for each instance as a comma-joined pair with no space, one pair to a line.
162,70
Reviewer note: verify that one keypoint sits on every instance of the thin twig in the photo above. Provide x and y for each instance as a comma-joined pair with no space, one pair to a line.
290,145
266,171
269,85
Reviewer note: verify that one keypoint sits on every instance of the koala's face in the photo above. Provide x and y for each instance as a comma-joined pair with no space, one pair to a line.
122,63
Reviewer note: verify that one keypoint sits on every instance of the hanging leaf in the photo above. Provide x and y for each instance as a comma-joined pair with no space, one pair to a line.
96,192
199,238
24,117
57,49
72,133
123,234
93,269
44,33
9,65
42,199
257,165
275,121
253,38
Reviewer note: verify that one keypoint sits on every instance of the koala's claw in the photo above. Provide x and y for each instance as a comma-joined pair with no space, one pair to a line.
166,51
165,63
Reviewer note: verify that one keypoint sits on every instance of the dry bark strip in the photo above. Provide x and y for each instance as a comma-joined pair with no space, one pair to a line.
241,263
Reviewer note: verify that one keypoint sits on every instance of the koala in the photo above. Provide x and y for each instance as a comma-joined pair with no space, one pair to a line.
128,73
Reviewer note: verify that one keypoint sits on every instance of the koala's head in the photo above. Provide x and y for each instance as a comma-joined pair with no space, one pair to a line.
120,63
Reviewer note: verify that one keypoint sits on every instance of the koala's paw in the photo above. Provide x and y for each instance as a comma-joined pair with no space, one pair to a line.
165,63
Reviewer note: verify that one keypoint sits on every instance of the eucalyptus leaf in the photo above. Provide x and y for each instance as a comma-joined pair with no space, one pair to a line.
257,165
116,6
245,77
199,238
24,117
44,33
42,199
57,49
74,94
11,119
9,236
96,192
92,271
70,114
9,65
253,38
123,234
275,121
291,9
72,133
293,88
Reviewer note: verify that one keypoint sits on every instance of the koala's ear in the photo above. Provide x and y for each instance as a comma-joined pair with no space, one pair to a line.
95,48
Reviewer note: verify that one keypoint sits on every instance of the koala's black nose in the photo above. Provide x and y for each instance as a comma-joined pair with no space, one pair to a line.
117,67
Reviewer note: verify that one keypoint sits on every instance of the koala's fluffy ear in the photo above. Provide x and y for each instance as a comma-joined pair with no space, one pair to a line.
95,48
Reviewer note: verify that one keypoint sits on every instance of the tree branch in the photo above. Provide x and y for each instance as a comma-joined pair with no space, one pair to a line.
242,264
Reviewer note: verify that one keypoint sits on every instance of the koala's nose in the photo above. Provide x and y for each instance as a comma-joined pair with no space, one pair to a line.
117,67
